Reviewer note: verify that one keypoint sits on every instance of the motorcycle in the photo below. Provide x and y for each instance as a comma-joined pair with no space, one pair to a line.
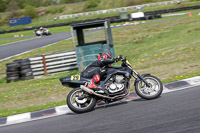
40,33
115,86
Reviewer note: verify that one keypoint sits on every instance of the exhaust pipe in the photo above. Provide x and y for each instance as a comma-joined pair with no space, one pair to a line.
90,91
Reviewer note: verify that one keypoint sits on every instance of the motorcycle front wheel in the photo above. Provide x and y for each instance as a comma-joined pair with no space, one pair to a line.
79,103
152,92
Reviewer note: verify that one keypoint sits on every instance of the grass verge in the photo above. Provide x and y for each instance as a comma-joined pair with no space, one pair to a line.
3,42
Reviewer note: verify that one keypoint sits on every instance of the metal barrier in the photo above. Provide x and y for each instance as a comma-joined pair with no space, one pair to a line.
119,9
53,63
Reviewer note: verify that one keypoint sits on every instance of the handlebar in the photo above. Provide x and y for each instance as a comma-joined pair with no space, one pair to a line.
120,57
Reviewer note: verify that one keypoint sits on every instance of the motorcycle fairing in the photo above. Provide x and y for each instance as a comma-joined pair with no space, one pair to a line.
74,81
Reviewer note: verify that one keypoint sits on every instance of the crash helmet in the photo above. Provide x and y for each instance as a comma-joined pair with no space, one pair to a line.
41,28
104,56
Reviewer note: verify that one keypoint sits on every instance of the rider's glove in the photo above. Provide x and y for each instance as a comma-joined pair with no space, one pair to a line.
116,59
120,57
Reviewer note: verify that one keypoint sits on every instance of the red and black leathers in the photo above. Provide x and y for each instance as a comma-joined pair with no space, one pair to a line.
96,70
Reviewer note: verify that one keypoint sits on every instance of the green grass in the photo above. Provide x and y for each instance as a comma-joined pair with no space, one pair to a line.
166,49
8,112
11,35
3,42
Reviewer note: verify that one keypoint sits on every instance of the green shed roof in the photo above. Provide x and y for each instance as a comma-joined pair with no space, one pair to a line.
86,25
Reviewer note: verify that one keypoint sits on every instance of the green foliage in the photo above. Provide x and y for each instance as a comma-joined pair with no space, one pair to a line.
15,14
4,21
3,80
70,1
57,9
12,6
20,3
2,6
91,4
30,11
35,3
47,2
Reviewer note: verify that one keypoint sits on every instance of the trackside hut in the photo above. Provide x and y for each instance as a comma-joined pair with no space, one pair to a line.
91,38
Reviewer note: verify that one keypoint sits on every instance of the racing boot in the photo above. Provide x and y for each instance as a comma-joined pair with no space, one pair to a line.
92,84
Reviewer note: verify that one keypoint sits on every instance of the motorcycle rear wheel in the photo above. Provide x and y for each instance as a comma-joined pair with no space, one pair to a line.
152,92
80,105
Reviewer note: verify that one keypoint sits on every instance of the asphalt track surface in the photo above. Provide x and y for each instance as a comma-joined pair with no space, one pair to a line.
27,45
174,112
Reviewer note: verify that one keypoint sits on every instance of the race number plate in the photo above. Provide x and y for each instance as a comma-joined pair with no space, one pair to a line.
75,77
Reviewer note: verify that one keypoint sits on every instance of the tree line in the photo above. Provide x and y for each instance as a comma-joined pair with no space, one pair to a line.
8,5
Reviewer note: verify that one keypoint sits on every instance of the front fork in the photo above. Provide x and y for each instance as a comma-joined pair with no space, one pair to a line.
140,77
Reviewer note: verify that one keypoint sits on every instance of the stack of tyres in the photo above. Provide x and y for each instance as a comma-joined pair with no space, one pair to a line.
12,71
25,70
19,70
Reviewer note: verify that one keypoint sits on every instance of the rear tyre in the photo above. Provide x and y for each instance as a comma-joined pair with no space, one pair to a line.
152,92
82,105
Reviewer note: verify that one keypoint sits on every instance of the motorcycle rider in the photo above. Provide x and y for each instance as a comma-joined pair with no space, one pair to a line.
97,69
42,29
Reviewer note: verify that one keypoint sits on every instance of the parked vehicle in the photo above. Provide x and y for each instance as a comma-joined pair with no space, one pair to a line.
115,85
42,31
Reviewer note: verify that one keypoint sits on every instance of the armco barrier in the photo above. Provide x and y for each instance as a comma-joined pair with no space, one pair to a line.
25,69
173,10
53,63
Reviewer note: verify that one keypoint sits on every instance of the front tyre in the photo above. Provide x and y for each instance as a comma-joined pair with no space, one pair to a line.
152,92
79,102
